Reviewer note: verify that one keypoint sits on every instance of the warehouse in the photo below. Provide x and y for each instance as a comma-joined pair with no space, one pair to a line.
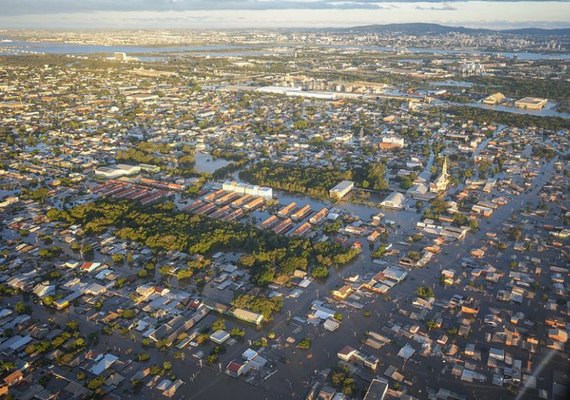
394,200
118,170
341,190
531,103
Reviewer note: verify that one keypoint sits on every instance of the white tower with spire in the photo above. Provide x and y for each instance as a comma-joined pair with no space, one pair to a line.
442,181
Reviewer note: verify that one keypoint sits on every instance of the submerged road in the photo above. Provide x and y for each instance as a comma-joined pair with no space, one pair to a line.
290,379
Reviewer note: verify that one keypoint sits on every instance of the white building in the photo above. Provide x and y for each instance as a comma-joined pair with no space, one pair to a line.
341,190
219,337
243,188
442,181
117,170
394,200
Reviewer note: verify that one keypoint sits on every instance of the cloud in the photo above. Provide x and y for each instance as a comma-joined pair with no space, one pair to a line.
27,7
270,14
443,7
23,7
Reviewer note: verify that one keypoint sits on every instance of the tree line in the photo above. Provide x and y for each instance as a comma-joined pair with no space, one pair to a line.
480,115
160,227
311,180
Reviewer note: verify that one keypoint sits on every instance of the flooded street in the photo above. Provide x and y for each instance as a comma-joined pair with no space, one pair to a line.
205,162
289,381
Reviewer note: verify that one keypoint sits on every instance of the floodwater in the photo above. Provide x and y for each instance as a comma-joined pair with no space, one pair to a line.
405,219
28,47
548,111
236,50
453,83
522,55
205,162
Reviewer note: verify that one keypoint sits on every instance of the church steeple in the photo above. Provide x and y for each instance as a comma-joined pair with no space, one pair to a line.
441,182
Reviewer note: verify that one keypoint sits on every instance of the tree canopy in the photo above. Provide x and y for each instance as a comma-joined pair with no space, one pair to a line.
159,227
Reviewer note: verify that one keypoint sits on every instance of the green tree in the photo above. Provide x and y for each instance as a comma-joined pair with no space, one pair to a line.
424,292
22,308
128,313
237,333
304,344
218,325
72,325
376,176
95,383
320,272
431,324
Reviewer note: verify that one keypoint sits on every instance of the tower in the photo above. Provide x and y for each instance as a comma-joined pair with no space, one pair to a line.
444,167
442,181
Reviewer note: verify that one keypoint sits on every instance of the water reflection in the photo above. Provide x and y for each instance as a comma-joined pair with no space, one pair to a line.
205,162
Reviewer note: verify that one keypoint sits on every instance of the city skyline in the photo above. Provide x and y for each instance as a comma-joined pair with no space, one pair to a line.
232,14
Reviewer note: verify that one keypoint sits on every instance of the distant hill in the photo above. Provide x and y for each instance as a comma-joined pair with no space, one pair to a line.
436,29
538,31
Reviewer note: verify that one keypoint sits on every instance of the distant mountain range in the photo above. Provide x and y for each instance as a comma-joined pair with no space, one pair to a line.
436,29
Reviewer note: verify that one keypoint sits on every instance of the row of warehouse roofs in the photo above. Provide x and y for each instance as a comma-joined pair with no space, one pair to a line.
234,196
147,182
145,193
219,204
282,223
225,205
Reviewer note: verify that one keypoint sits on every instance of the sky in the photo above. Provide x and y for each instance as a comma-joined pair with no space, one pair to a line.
243,14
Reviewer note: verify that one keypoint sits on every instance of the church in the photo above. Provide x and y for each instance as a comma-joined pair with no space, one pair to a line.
442,181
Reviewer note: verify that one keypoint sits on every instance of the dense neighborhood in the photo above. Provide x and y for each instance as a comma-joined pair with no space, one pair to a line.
306,219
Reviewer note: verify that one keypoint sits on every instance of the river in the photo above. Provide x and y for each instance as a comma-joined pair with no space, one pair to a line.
236,50
28,47
522,55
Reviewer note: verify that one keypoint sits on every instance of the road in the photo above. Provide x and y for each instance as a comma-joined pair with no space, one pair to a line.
291,377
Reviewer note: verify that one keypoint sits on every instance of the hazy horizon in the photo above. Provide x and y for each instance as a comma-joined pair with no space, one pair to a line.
263,14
